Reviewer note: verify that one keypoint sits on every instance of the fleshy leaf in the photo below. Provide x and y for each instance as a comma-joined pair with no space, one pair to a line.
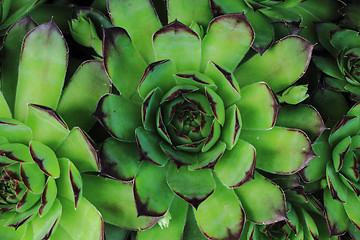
45,158
262,200
228,35
348,126
15,131
242,161
221,215
119,160
216,104
139,18
16,152
41,79
48,197
10,55
149,109
152,194
102,191
27,201
231,131
345,39
157,74
275,147
258,106
4,108
119,116
276,72
79,148
192,186
32,177
339,152
179,43
81,95
337,188
352,208
335,214
47,126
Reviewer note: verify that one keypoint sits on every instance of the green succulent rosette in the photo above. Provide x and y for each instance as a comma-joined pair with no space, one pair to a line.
337,171
186,131
41,159
342,69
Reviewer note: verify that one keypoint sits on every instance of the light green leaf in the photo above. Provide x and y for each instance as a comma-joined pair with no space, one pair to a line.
185,12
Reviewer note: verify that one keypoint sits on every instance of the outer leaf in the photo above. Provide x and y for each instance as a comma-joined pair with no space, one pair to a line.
275,147
45,158
228,35
192,186
335,214
79,148
15,131
102,191
122,62
47,126
185,12
80,97
41,79
231,131
179,43
178,210
84,222
258,106
152,194
337,188
276,72
263,201
4,108
242,161
11,54
221,215
139,18
119,116
48,197
352,208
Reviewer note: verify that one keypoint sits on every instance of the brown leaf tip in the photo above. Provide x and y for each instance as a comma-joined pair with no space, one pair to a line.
175,27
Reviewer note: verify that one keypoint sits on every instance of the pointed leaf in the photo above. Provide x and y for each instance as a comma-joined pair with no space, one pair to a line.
275,147
276,72
191,230
119,160
48,197
119,116
15,131
258,106
152,194
185,12
328,66
337,188
79,148
4,108
45,158
139,18
122,62
242,161
149,109
41,79
32,177
227,35
195,79
348,126
16,152
192,186
345,39
231,131
262,200
216,104
335,214
27,201
81,95
102,192
11,54
352,208
221,215
179,43
47,126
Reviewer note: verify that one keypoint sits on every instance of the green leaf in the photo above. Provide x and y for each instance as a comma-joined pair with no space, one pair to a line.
221,216
231,130
27,201
323,31
113,199
83,222
194,78
149,109
191,230
328,66
311,231
48,197
337,188
11,55
276,72
227,35
4,108
192,186
79,148
47,126
119,160
352,208
275,147
69,184
81,95
348,126
122,62
157,74
119,116
340,151
41,79
185,12
216,104
179,43
32,177
152,194
16,152
258,106
15,131
139,18
242,161
262,200
177,211
335,215
299,116
345,39
149,147
45,158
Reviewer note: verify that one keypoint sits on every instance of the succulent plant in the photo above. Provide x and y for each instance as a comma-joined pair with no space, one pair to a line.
342,69
41,160
183,137
338,164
